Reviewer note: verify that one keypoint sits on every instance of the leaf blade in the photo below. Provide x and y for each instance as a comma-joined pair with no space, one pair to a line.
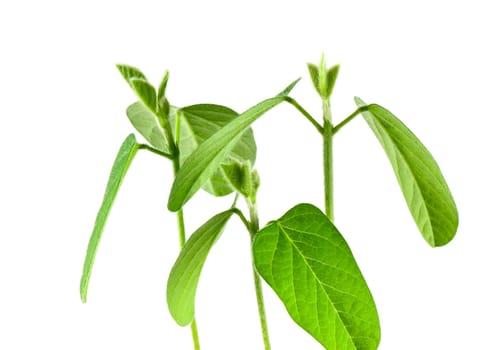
198,123
130,72
147,124
184,276
422,183
207,158
120,167
145,92
306,261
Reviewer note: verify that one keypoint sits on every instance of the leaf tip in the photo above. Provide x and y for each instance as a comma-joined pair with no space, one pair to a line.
289,88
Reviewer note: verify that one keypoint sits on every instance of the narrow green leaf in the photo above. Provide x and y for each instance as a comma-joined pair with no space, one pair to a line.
121,164
185,274
147,124
145,92
163,84
208,157
129,72
197,124
423,185
288,89
306,261
331,78
314,73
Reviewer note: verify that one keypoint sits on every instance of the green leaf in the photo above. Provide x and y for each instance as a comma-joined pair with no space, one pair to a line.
208,157
331,78
314,73
197,124
147,124
145,92
185,274
423,185
129,72
121,164
306,261
288,89
162,87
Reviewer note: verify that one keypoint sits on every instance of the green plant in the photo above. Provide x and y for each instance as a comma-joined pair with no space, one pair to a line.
302,255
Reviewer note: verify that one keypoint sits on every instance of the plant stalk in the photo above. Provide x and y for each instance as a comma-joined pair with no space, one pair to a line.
254,228
328,160
182,240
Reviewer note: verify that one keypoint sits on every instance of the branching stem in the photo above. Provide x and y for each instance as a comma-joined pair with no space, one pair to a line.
156,151
349,118
304,113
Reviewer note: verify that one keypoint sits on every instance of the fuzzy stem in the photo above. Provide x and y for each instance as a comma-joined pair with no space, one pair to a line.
328,160
254,228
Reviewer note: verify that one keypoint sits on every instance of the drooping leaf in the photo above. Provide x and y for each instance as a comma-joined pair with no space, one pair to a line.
129,72
121,164
208,157
421,181
147,124
198,123
185,274
306,261
145,92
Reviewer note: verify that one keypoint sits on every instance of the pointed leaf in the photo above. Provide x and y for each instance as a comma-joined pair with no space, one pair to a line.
185,274
129,72
161,93
314,73
208,157
198,123
331,78
121,164
306,261
145,92
288,89
423,185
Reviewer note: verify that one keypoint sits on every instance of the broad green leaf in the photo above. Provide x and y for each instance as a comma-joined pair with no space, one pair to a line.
197,124
121,164
423,185
331,78
208,157
314,73
147,124
129,72
145,92
306,261
185,274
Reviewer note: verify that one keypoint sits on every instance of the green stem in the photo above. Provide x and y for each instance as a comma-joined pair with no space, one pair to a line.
349,118
196,341
182,240
304,113
156,151
254,228
328,160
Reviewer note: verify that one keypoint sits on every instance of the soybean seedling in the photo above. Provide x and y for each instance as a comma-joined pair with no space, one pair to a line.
302,255
172,133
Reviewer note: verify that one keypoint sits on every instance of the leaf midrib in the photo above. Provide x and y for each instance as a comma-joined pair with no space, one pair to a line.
317,279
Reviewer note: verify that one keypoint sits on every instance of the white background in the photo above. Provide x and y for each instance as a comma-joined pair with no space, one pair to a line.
432,63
